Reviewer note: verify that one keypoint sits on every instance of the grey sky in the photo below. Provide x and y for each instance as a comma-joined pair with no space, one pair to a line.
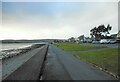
55,19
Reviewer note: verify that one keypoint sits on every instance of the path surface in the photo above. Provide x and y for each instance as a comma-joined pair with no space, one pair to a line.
61,65
11,64
29,68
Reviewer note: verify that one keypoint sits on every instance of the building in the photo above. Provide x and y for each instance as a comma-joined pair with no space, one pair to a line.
118,35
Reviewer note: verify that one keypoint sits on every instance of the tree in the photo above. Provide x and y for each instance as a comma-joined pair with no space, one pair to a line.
100,32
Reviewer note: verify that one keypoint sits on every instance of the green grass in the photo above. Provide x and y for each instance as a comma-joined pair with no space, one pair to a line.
74,46
107,59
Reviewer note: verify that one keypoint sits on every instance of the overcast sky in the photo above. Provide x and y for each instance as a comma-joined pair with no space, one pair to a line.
51,20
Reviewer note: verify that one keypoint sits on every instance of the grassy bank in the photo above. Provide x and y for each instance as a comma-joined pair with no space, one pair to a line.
74,46
107,59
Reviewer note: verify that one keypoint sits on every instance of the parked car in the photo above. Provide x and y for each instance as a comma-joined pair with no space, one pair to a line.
95,42
117,41
112,41
104,41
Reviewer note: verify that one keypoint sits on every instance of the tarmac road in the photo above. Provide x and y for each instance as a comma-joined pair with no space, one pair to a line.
61,65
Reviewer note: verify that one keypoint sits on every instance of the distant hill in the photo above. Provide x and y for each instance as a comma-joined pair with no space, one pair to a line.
30,41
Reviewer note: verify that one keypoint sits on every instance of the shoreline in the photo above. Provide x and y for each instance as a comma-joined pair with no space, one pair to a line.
8,53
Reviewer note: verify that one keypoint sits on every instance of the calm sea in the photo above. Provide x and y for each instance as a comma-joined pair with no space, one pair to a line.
4,46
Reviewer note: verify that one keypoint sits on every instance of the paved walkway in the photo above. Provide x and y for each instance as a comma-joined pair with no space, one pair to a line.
31,69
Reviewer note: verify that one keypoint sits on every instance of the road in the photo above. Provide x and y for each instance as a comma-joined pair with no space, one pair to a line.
61,65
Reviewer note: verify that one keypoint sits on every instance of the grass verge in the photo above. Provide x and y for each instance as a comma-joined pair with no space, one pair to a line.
74,46
107,59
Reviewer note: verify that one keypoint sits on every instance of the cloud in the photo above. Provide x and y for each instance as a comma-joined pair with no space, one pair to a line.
62,24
